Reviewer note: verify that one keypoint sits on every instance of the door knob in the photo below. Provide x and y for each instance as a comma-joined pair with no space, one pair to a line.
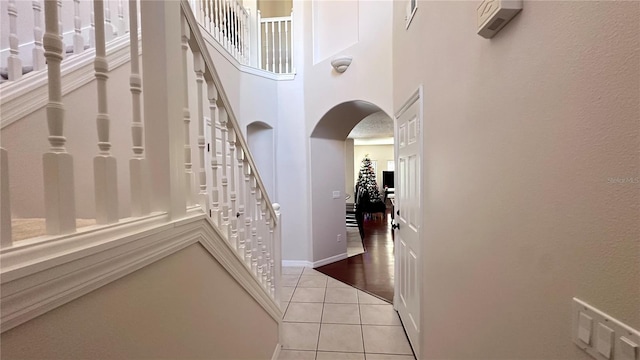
395,226
398,212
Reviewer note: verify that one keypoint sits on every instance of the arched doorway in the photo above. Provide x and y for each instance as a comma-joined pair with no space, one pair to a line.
328,173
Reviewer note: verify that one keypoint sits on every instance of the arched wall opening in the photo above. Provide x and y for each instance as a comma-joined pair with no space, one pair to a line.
328,172
260,138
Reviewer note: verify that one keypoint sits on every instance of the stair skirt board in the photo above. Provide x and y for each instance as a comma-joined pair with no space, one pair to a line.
27,295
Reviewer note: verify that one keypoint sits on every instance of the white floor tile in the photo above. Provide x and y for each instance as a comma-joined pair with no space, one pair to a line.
290,280
308,295
326,355
312,281
310,271
300,336
385,340
287,293
341,296
292,270
297,355
379,315
333,283
389,357
304,312
340,314
364,298
343,338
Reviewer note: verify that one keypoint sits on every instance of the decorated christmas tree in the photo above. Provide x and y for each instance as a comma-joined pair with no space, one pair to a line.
367,179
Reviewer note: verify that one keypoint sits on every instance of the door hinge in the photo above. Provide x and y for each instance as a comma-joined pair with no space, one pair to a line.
208,149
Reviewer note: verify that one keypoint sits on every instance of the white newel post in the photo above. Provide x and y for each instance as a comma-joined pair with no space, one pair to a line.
212,95
38,50
267,250
78,41
186,115
264,224
277,250
258,226
233,216
59,190
137,165
104,164
163,137
224,214
198,67
14,63
5,204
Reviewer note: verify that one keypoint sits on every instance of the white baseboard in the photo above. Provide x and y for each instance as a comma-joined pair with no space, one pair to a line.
297,263
276,352
330,260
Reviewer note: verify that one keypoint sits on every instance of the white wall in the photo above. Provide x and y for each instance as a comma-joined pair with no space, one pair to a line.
327,176
349,180
184,306
521,136
261,144
379,153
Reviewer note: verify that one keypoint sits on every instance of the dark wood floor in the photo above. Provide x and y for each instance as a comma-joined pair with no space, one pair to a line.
372,271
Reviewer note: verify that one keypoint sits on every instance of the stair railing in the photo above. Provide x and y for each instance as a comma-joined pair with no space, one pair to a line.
234,198
275,51
76,30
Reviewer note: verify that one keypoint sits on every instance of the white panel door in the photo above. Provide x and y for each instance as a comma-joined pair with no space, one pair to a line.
408,217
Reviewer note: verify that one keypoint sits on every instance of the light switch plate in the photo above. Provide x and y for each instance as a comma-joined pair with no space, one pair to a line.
604,341
585,324
628,349
622,337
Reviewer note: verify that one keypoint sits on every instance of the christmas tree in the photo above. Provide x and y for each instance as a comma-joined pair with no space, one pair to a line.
367,179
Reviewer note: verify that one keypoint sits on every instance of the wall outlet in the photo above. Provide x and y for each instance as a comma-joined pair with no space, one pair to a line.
339,237
336,194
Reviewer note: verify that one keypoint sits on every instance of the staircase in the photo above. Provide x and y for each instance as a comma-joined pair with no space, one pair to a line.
191,178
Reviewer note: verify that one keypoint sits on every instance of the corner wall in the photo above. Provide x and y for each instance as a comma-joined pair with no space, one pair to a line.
522,136
184,306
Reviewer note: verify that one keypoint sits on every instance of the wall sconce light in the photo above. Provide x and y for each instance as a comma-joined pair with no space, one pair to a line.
341,63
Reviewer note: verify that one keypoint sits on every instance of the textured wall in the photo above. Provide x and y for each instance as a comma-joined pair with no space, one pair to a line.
184,306
522,134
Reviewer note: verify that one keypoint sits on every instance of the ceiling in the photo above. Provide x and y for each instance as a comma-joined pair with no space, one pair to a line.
376,125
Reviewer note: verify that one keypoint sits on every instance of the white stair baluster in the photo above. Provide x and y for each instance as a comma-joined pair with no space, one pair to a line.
280,46
38,50
5,205
137,165
240,197
273,46
78,40
122,25
259,23
104,164
233,215
212,94
92,29
217,21
59,197
186,115
224,214
286,48
291,44
277,256
254,229
248,214
109,35
198,67
60,30
273,257
264,234
14,63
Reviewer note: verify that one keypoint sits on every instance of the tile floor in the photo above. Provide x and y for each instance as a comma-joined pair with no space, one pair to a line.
325,319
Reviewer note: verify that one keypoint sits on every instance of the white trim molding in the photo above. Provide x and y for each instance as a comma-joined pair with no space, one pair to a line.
297,263
63,269
330,260
21,98
276,352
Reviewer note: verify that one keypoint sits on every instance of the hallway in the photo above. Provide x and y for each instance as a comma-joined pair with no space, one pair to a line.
327,319
372,271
